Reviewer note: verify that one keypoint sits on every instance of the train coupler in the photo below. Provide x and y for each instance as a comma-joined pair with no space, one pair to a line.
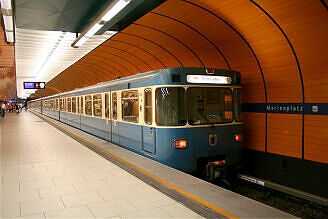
216,169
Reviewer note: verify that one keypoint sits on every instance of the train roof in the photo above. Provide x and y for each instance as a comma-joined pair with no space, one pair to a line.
134,78
128,79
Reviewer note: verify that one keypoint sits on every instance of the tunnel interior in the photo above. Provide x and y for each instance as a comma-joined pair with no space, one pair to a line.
279,47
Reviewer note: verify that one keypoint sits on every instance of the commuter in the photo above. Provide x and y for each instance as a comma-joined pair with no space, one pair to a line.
3,109
10,108
17,108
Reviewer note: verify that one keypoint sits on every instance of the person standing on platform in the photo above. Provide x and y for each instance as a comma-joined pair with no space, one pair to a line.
3,109
17,108
10,107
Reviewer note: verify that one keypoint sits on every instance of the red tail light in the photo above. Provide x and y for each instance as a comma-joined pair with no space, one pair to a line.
238,137
180,144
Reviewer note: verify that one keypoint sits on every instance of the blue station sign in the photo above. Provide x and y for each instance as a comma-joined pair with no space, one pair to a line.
34,85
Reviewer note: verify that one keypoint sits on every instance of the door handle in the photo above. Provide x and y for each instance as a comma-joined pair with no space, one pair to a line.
152,131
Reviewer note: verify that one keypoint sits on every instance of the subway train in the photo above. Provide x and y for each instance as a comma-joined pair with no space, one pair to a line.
187,118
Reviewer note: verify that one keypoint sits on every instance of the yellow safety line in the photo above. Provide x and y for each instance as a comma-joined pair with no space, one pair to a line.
189,195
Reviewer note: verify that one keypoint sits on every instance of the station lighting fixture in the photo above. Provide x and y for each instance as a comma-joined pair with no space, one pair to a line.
106,16
7,14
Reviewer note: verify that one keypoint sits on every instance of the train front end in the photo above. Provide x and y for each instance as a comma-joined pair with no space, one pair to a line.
200,123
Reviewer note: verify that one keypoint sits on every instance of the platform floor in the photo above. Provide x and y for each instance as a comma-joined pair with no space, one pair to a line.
49,171
47,174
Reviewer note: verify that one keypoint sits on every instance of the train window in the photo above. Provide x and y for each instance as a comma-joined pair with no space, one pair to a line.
114,104
209,105
82,106
237,105
57,104
52,104
88,105
61,104
170,106
107,106
73,104
78,109
69,105
97,105
65,105
130,106
148,106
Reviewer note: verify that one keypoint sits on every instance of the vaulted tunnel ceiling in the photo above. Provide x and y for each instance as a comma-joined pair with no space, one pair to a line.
270,42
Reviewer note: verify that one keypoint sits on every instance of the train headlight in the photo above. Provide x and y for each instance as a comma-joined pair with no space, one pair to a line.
180,144
238,137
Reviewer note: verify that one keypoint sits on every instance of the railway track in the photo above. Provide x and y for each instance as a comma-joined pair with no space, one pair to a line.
288,203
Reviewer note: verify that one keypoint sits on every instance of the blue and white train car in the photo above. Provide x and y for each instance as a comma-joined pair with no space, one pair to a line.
186,118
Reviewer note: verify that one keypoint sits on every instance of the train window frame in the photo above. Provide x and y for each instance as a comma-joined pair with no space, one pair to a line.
148,107
113,105
78,105
225,89
107,105
86,103
57,104
130,112
82,106
184,109
69,104
93,105
73,106
65,104
61,104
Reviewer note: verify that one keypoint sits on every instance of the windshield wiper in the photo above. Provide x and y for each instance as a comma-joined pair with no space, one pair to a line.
204,116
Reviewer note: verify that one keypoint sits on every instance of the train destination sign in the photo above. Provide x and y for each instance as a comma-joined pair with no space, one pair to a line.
205,79
34,85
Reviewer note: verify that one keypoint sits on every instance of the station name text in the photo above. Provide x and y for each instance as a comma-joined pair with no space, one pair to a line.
290,108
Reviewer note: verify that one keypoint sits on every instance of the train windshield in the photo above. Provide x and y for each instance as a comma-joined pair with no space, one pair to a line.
170,106
197,105
207,105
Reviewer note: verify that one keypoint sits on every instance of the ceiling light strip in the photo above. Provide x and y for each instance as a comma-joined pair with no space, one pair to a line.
6,10
106,16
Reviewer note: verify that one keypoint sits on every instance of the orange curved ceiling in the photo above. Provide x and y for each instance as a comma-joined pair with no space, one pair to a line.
280,47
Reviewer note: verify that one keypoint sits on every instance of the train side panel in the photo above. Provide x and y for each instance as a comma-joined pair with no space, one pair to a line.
73,120
95,126
130,136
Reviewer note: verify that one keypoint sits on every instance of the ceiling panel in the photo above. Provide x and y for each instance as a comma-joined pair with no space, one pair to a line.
57,15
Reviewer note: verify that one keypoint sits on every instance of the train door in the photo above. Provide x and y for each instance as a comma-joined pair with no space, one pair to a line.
148,132
115,130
